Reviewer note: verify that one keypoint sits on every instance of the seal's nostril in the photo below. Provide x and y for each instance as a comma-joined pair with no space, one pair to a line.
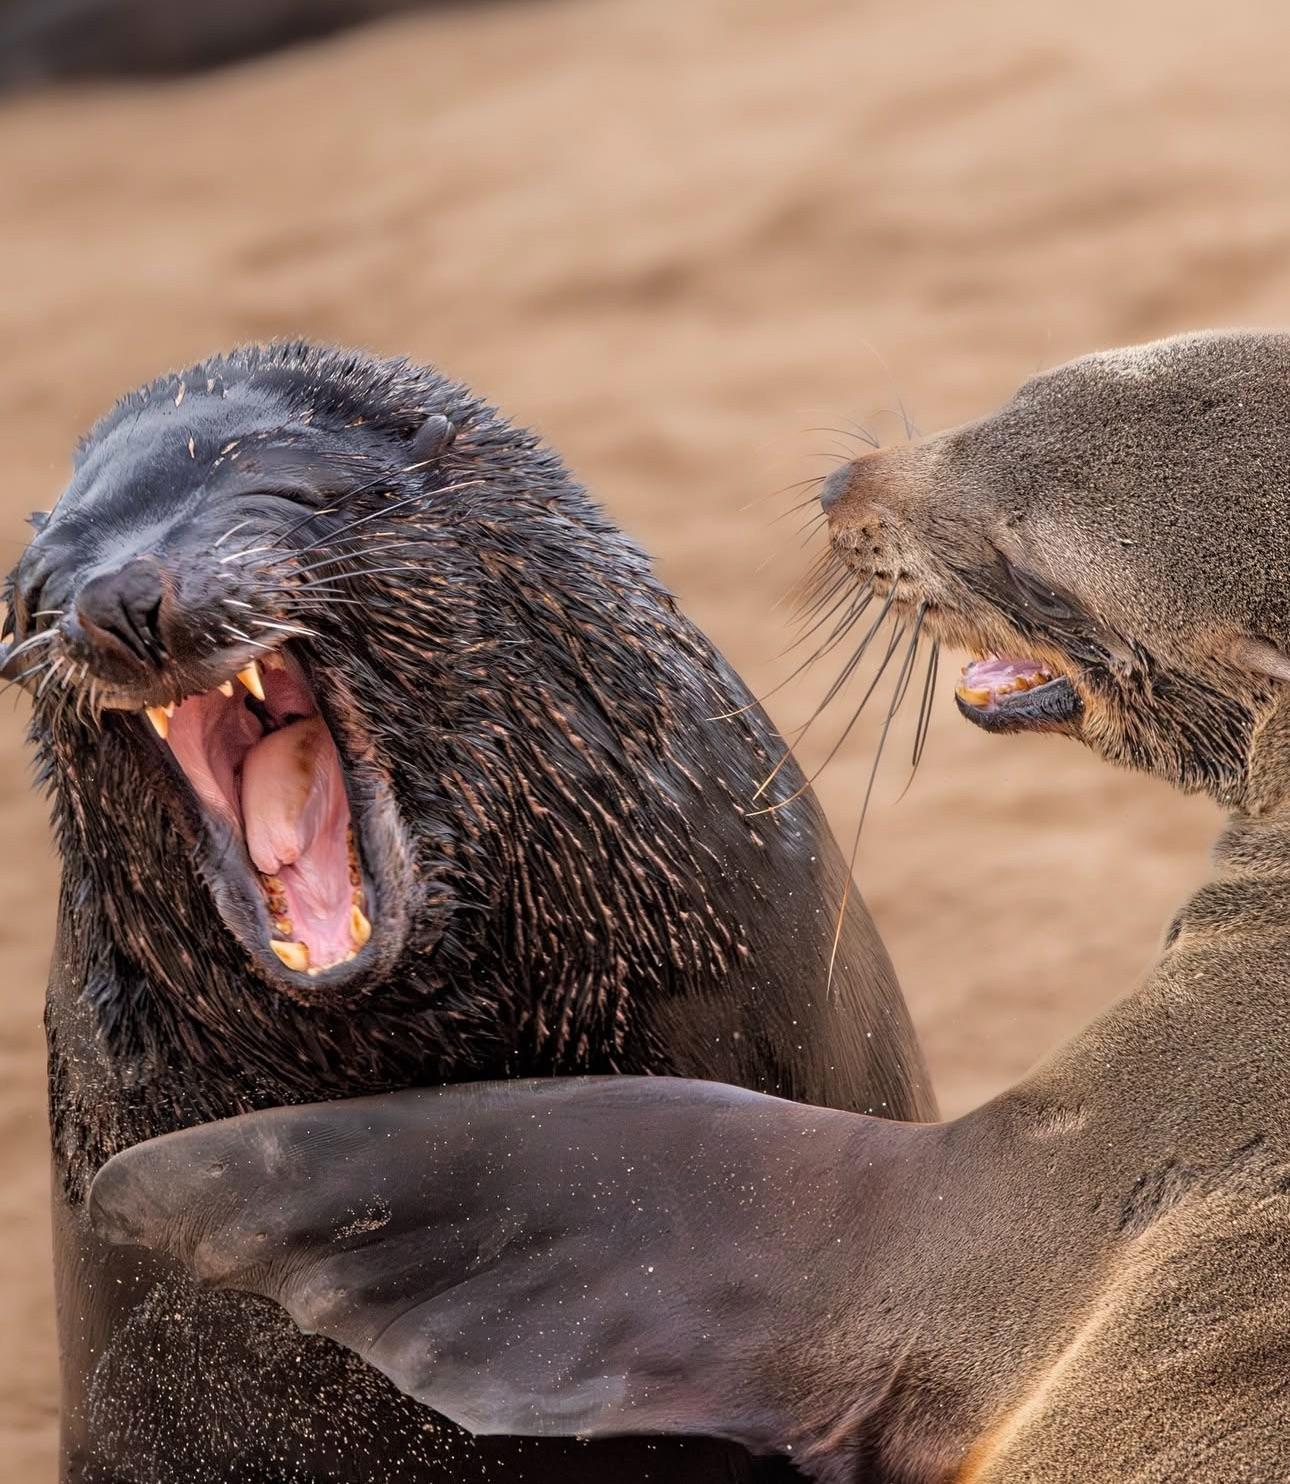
120,613
835,486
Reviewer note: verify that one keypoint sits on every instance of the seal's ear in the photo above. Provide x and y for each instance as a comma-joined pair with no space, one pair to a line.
589,1257
1260,657
432,439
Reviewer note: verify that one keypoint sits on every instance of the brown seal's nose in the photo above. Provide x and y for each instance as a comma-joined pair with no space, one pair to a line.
120,614
835,486
858,482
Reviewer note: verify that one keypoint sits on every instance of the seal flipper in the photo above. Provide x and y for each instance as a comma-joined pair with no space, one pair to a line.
592,1256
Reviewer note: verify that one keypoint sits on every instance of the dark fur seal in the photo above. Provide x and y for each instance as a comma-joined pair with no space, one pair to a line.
380,759
1088,1278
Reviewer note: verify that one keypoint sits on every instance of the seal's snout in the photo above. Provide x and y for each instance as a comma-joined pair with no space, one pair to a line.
835,486
849,491
873,506
123,617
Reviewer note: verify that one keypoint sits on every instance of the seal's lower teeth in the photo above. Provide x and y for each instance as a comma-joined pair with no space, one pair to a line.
977,694
360,928
294,955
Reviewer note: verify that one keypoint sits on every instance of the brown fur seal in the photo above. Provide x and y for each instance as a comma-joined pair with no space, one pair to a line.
1088,1278
380,759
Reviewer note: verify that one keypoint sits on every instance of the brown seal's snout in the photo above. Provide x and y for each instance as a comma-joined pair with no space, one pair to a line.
1110,545
909,522
878,522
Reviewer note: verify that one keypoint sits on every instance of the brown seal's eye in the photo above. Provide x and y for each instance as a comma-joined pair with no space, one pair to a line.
1037,594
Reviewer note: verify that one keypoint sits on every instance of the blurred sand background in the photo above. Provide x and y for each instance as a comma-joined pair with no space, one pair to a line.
676,236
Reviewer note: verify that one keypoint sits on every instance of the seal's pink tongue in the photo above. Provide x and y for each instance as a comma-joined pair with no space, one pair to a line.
296,818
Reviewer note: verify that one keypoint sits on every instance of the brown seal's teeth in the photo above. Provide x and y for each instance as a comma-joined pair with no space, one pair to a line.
159,716
225,688
973,696
360,928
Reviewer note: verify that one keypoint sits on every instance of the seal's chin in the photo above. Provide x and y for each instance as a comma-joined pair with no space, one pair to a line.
1014,693
264,767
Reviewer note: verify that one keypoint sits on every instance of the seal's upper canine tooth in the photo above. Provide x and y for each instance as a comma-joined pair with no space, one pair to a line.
159,716
294,954
360,929
250,677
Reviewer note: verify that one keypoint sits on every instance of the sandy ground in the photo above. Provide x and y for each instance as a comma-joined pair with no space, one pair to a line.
679,239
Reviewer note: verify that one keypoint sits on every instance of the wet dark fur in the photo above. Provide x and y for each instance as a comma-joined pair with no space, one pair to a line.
584,889
1086,1279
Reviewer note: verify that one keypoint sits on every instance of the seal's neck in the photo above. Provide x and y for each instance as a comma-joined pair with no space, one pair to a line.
1245,905
1029,1207
1267,788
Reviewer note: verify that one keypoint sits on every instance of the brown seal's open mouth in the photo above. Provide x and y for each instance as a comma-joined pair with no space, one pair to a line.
262,763
1014,693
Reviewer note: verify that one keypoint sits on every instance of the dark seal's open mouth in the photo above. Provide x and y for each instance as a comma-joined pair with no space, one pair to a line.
267,775
1014,693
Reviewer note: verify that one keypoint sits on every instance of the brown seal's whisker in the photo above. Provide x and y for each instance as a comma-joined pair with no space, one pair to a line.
845,674
824,577
844,625
787,489
923,725
834,597
849,668
858,603
898,695
855,717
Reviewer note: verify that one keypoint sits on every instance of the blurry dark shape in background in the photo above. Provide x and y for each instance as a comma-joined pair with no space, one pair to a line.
49,40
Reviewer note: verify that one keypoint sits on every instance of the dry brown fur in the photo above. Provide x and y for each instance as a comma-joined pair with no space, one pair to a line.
1112,1306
